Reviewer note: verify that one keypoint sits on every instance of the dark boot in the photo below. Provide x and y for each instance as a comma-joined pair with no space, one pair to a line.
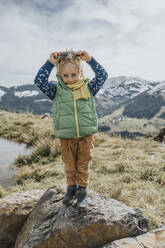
82,201
70,195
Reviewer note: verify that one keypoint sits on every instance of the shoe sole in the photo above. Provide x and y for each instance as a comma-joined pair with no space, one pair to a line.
68,203
82,208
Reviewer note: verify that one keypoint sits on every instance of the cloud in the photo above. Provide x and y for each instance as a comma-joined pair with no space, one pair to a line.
125,36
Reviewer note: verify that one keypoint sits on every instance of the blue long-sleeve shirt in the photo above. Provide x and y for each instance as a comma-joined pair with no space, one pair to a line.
49,88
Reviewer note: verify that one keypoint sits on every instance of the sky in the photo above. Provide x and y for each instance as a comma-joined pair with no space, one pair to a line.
127,37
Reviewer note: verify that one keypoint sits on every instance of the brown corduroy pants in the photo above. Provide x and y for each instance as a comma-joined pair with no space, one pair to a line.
76,155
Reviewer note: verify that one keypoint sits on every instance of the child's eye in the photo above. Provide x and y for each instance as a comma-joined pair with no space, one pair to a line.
65,75
73,75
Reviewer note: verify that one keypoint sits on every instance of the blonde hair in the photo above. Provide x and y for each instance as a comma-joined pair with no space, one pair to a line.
69,57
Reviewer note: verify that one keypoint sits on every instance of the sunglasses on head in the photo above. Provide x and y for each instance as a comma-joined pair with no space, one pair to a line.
66,54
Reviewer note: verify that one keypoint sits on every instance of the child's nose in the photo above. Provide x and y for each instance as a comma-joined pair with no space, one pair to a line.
70,78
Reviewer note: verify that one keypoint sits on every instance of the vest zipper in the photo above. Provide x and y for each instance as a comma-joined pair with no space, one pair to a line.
76,119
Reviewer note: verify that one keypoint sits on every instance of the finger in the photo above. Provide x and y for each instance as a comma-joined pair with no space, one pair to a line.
53,54
56,55
82,51
79,52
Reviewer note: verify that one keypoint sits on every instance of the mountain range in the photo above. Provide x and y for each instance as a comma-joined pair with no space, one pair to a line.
139,98
121,100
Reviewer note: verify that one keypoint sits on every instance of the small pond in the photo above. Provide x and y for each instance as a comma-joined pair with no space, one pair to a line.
9,151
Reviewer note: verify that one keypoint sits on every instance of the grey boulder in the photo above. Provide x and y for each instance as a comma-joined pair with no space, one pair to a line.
52,225
14,210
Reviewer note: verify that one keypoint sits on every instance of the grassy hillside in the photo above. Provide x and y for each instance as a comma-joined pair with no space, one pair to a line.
131,171
133,125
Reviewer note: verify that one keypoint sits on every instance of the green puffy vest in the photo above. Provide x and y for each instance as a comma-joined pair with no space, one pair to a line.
73,120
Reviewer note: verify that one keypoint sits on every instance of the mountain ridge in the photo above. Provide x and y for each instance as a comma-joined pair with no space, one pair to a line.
121,98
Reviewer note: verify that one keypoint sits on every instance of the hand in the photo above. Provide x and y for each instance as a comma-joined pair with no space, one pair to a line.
54,57
84,55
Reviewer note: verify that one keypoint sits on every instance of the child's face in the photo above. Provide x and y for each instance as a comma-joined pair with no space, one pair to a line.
70,73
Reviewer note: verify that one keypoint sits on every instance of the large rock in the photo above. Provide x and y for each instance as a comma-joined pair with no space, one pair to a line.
52,225
14,209
153,239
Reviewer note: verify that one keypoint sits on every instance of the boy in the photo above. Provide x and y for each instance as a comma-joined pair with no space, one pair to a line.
74,115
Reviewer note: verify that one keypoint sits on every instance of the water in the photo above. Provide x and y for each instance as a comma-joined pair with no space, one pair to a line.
9,151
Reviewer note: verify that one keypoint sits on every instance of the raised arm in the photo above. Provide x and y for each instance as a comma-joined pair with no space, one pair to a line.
100,76
41,79
100,73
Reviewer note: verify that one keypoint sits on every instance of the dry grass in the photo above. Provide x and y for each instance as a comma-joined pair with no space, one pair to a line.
2,192
25,128
131,171
44,151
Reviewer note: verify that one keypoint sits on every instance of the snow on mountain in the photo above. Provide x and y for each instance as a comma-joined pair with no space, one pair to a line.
26,93
159,88
125,87
2,93
134,95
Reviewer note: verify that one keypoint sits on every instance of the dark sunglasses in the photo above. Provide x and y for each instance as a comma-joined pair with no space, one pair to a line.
66,54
